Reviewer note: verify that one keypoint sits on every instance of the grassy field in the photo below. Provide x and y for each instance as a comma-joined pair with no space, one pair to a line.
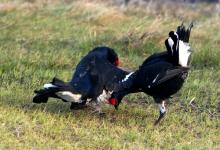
40,40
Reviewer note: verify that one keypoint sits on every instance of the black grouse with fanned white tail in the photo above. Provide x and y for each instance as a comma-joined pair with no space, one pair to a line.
85,83
162,74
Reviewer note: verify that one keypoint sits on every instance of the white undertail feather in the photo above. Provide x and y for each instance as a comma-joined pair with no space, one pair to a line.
176,35
68,96
184,53
49,85
170,42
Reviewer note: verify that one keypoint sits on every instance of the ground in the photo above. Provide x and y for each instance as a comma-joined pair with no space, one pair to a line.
40,40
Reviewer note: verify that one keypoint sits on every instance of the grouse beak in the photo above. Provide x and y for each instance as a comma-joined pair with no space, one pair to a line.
190,50
116,107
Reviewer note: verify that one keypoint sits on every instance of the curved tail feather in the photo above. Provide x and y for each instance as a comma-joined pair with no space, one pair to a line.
56,89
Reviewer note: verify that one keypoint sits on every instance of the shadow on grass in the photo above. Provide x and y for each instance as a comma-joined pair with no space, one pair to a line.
126,114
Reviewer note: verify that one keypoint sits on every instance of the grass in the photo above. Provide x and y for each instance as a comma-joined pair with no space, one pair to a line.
40,40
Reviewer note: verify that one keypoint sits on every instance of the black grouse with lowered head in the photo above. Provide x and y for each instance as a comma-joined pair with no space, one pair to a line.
84,83
163,74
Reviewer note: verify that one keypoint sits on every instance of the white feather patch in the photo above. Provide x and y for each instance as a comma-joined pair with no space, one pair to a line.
176,35
184,53
68,96
162,107
104,96
49,85
127,77
171,43
155,78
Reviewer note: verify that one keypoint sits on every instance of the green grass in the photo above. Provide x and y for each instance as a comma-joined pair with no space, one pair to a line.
39,41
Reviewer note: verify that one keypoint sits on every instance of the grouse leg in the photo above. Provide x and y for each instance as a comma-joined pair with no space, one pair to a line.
162,112
96,105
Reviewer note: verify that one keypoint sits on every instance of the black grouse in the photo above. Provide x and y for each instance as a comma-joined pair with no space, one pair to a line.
162,74
85,83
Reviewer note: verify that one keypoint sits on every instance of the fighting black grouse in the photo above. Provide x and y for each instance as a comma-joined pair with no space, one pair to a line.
85,82
162,74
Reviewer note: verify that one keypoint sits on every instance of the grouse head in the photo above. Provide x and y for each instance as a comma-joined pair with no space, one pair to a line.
106,53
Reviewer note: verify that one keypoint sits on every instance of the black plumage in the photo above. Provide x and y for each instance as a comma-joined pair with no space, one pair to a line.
85,83
163,74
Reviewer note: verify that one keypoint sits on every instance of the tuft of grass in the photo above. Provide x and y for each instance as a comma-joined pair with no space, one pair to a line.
43,39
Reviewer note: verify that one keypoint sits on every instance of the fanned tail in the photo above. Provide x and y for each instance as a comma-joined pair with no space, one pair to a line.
183,33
